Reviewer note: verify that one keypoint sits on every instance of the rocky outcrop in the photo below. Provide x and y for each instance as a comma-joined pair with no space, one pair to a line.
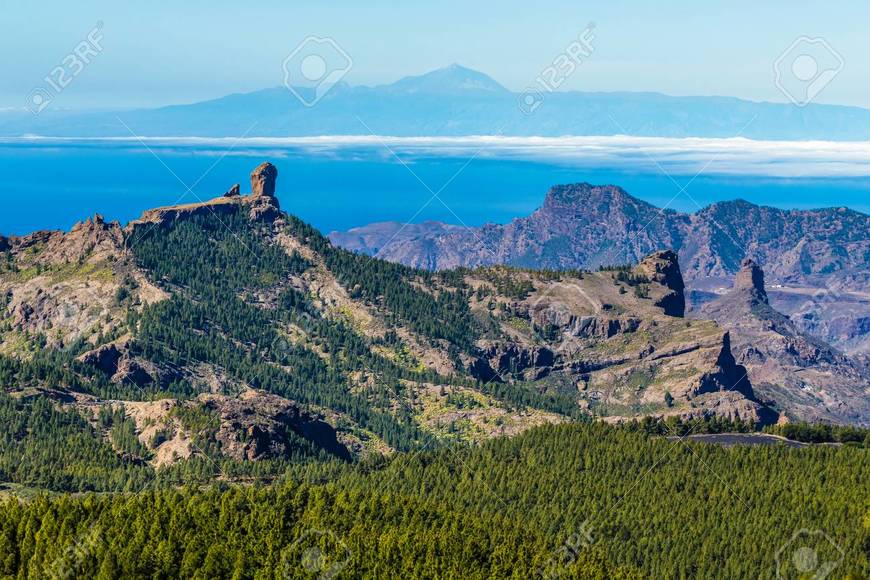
258,425
116,362
581,326
91,240
726,375
663,267
261,204
263,208
499,361
596,327
730,405
165,217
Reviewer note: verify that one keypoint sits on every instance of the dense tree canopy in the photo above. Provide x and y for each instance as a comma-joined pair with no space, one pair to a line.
579,500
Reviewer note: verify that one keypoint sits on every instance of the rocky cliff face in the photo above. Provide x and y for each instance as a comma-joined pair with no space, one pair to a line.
263,179
808,378
262,201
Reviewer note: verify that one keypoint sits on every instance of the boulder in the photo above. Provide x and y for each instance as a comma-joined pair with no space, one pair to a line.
234,191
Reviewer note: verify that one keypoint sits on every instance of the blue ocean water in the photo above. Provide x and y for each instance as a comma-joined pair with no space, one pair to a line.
55,185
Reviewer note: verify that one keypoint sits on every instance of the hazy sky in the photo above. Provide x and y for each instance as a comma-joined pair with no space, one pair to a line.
160,52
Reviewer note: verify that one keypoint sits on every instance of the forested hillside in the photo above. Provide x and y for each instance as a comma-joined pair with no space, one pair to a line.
588,501
228,339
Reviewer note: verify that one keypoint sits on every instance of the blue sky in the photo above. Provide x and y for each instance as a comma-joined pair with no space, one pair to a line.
171,52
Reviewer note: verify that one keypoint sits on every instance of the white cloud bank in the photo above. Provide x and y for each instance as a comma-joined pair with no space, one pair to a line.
684,156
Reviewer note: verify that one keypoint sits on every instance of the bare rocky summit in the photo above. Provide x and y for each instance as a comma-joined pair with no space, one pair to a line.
262,204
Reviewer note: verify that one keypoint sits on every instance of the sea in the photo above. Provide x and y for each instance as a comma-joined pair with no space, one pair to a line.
52,184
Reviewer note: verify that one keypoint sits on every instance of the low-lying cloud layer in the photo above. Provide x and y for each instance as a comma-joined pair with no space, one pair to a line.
689,156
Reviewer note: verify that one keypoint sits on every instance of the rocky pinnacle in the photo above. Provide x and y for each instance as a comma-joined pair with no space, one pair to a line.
750,279
263,180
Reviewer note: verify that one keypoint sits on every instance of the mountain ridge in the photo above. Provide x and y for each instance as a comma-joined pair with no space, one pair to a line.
230,331
569,206
476,105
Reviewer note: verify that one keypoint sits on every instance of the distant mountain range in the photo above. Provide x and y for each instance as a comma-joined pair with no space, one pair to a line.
457,101
818,260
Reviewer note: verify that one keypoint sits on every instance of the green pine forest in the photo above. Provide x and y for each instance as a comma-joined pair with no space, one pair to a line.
626,505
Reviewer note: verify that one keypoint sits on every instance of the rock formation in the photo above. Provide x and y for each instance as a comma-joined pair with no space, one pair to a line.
750,281
116,362
258,425
262,201
499,361
263,180
262,204
664,268
93,239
